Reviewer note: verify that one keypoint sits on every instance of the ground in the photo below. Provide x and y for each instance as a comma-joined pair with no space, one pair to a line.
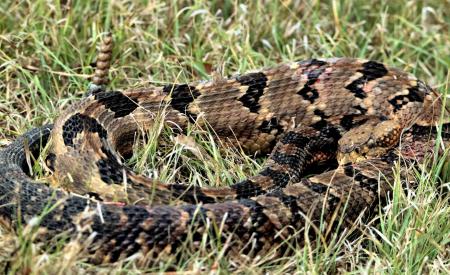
47,49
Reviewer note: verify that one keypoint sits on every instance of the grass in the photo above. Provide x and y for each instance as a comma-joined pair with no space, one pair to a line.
46,48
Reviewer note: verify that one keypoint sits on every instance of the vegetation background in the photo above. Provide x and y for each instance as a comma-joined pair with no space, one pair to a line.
47,49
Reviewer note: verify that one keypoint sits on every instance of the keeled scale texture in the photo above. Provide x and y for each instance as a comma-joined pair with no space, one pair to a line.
305,113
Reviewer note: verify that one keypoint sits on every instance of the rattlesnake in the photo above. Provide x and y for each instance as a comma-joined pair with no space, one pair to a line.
305,113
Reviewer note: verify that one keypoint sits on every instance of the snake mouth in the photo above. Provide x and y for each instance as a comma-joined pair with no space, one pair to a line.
359,154
351,157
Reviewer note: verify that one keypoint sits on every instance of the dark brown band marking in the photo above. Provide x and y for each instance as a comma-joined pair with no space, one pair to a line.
182,95
280,178
246,188
313,73
365,182
124,240
311,62
117,102
322,189
78,123
295,164
258,218
362,111
191,194
290,202
293,161
348,121
308,93
421,131
267,126
256,83
110,170
300,140
322,123
371,70
315,186
416,93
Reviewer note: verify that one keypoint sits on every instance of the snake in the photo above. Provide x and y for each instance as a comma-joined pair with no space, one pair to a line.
357,117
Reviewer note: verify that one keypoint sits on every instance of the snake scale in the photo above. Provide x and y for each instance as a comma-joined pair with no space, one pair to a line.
305,114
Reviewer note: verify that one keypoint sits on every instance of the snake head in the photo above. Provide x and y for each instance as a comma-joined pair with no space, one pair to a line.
371,139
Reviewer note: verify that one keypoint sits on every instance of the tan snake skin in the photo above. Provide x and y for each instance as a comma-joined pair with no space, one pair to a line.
305,114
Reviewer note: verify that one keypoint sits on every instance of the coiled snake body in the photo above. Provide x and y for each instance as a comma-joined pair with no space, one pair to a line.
305,113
